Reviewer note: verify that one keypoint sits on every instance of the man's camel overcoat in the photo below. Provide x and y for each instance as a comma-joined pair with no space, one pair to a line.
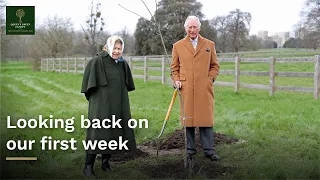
196,69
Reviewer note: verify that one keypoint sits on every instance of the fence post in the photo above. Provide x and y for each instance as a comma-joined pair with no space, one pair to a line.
272,75
237,74
130,62
316,77
67,64
75,66
163,70
145,69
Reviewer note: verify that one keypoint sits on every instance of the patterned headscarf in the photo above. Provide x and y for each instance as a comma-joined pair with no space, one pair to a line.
110,44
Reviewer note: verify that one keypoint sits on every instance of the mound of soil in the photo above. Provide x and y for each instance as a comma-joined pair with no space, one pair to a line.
171,145
177,140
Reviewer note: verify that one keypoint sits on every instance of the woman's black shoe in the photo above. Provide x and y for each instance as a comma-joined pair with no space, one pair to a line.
105,166
88,171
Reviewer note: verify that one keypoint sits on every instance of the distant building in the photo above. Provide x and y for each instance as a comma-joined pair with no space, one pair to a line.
263,35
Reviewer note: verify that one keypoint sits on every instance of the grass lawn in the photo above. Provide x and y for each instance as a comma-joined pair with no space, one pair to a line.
282,132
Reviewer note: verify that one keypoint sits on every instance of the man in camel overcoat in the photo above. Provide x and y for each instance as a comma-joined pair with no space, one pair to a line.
194,69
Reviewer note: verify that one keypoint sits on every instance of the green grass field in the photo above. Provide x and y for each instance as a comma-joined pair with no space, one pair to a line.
282,132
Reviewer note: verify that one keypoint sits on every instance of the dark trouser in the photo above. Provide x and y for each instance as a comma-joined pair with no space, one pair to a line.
90,158
206,138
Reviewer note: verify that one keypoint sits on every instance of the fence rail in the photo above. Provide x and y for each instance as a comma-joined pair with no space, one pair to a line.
77,65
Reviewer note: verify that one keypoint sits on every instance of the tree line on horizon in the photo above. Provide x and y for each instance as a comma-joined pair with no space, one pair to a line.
56,36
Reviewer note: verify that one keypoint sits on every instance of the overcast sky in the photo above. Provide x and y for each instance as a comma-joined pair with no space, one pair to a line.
270,15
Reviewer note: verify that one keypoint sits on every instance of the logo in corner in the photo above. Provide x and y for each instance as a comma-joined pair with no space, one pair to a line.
20,20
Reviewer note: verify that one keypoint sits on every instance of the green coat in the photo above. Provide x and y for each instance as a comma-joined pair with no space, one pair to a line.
105,85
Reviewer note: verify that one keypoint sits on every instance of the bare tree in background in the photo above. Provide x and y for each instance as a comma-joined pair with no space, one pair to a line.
54,38
79,44
3,45
37,49
94,26
311,14
239,27
16,47
311,22
220,23
2,8
57,34
298,31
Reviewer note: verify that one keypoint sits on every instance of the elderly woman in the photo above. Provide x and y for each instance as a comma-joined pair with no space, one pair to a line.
106,82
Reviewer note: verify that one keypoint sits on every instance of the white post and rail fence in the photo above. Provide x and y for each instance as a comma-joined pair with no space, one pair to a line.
146,65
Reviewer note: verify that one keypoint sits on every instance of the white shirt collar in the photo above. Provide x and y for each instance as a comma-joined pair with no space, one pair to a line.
195,40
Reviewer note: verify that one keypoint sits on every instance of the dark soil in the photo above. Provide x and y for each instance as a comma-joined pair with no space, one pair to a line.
123,157
174,141
174,145
175,170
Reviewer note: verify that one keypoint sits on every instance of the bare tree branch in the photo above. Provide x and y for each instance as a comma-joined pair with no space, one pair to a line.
148,10
138,15
85,34
159,30
155,14
134,13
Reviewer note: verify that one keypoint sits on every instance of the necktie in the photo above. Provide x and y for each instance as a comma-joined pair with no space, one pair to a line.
194,43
